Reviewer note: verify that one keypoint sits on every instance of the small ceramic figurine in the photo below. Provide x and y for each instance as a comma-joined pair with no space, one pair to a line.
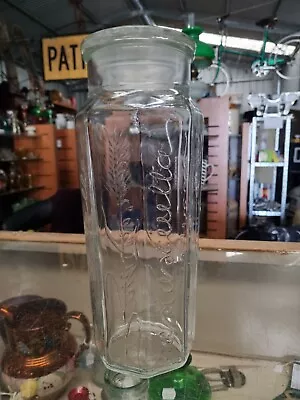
29,389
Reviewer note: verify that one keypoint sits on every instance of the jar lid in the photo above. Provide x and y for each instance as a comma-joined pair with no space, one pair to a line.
141,33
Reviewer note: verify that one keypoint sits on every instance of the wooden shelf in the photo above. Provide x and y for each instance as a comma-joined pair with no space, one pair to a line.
22,160
45,172
217,138
67,159
8,161
264,164
209,188
266,213
30,159
20,191
22,135
19,95
64,106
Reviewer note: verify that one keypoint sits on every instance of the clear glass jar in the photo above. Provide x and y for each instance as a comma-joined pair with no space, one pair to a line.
140,153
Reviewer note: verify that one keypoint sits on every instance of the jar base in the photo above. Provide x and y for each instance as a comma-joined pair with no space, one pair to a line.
124,387
145,348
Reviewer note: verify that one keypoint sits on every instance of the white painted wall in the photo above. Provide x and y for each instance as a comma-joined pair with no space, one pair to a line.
293,85
81,98
244,82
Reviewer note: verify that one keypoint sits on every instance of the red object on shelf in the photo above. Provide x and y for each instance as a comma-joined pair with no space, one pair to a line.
79,393
73,102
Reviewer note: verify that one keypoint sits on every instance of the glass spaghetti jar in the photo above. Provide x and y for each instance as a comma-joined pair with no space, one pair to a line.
140,140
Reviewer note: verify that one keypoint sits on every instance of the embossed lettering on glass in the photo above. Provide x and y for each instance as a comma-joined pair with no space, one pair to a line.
140,148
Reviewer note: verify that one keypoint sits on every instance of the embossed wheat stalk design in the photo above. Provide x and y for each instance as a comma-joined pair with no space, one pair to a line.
117,182
117,168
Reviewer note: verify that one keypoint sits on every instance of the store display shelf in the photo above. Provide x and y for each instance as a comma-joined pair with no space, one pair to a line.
207,133
67,171
64,106
42,175
23,135
211,135
262,119
209,188
265,213
21,160
19,95
19,191
203,236
263,164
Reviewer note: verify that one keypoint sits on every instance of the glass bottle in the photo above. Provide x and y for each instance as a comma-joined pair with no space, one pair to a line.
13,122
140,140
13,177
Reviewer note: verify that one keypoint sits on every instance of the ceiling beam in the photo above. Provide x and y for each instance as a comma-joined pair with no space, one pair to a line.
206,19
145,17
200,19
183,6
89,15
280,29
276,8
120,17
116,19
30,17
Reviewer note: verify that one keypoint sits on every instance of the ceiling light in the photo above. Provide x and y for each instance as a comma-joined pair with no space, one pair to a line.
242,43
236,42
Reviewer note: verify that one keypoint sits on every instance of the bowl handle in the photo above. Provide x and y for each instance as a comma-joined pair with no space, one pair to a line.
79,316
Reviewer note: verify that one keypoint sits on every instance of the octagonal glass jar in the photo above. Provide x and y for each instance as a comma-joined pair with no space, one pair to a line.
140,144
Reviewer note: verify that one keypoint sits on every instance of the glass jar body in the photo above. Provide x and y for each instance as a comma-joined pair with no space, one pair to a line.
139,176
140,153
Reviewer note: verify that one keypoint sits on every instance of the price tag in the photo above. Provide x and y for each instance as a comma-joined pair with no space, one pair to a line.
168,394
295,382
